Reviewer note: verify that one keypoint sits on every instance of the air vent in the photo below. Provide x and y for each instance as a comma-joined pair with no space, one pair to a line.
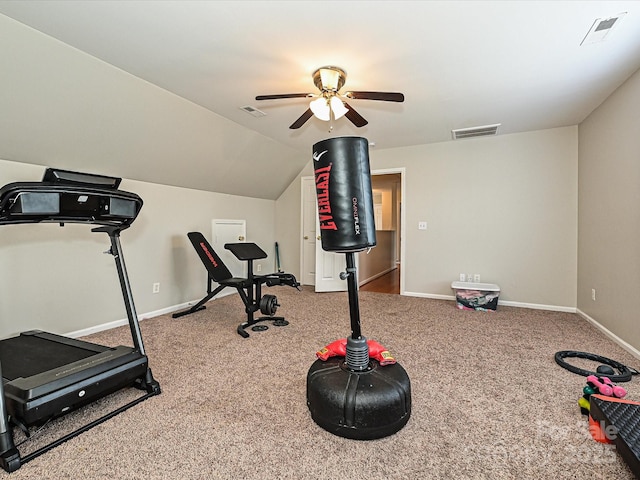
253,111
482,131
601,28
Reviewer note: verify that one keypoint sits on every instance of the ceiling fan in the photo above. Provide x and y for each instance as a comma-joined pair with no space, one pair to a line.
330,103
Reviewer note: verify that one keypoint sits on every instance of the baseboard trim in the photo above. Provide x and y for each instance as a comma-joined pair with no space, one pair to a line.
535,306
538,306
156,313
629,348
556,308
119,323
428,295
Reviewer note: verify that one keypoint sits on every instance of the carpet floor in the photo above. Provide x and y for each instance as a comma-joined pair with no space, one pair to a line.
488,399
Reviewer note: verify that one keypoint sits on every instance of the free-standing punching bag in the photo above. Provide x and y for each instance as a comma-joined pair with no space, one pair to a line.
352,396
343,189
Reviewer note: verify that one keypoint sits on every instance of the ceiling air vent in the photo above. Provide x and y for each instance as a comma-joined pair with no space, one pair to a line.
601,28
482,131
253,111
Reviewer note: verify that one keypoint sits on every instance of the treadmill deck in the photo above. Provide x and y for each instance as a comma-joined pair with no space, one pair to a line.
46,375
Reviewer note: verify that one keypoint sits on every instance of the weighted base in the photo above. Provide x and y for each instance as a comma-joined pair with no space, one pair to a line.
361,405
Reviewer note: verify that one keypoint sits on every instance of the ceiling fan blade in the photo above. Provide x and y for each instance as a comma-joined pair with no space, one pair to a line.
302,119
284,95
384,96
357,119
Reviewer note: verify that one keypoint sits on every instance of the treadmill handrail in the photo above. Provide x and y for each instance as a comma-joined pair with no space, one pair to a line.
12,193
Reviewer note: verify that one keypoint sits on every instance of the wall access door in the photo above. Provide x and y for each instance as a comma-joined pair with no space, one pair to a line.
229,231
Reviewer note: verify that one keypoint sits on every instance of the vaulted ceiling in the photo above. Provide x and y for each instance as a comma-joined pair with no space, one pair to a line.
153,90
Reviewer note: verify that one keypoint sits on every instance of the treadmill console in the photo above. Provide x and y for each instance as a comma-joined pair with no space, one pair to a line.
65,196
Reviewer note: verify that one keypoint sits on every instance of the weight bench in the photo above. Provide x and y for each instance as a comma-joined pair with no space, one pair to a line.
249,288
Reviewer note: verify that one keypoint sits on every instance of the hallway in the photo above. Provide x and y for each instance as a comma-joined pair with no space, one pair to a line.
387,283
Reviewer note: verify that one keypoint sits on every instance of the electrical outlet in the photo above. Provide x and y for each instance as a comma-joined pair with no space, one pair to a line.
422,225
463,277
593,294
469,277
156,287
476,278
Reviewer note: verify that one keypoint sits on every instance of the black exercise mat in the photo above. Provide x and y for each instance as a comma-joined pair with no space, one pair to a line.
625,417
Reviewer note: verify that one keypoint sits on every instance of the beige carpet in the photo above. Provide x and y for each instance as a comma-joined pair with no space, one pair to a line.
489,402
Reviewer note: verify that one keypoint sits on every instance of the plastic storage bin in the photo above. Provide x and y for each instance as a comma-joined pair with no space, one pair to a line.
476,296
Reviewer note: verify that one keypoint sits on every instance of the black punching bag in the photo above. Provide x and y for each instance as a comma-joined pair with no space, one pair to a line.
352,397
343,188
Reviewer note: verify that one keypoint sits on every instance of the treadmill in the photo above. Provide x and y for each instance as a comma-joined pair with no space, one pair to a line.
45,375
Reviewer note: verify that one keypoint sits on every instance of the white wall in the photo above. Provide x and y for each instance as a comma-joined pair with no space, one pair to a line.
63,107
504,207
609,213
288,224
58,279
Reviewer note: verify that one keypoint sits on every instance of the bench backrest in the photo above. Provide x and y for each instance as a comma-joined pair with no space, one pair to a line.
218,271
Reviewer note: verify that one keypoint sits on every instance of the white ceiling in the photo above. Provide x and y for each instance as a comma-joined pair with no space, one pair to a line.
459,64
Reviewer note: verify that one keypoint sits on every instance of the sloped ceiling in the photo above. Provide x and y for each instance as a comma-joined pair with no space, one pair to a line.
152,90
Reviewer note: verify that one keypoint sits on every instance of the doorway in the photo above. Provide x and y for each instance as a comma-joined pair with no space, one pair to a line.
379,269
387,283
382,264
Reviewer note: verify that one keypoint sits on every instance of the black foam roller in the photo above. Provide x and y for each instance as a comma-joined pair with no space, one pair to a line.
343,191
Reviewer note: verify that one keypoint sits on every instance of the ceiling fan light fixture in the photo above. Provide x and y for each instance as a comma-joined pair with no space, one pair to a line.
320,108
329,79
338,108
329,102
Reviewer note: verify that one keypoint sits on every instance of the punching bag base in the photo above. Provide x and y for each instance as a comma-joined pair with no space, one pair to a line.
363,405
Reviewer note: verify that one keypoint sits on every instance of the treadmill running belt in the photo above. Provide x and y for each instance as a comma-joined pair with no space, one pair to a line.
28,355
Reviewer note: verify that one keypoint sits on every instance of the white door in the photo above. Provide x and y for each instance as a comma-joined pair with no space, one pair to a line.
329,265
320,268
229,231
309,221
